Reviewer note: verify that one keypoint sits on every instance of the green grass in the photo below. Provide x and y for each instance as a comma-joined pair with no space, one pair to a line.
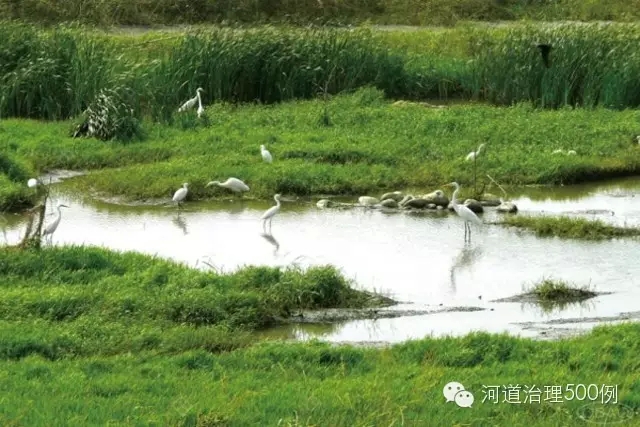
57,73
425,12
82,301
566,227
371,147
558,290
317,384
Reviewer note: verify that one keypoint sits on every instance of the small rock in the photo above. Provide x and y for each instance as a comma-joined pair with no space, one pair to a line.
405,199
416,203
389,203
437,198
438,207
396,196
368,201
324,203
507,207
474,205
433,206
490,200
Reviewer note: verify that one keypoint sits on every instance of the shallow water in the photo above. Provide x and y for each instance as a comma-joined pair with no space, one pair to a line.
419,259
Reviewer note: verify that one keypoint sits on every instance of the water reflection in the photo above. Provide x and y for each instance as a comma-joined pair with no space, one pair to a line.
272,240
467,256
180,222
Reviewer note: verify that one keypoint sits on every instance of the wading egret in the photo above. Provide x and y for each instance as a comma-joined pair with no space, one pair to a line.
463,212
270,213
32,183
192,102
51,228
472,155
266,155
233,184
181,194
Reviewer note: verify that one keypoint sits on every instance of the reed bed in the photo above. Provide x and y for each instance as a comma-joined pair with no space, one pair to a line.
589,65
57,73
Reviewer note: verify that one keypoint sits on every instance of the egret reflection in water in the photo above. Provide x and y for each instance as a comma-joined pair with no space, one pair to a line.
272,240
180,222
467,256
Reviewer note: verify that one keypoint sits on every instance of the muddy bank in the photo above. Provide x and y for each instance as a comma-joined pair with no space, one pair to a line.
547,331
347,314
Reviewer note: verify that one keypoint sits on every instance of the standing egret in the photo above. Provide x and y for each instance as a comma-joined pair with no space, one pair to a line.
270,213
192,102
32,183
200,107
181,194
463,212
233,184
266,155
51,228
472,155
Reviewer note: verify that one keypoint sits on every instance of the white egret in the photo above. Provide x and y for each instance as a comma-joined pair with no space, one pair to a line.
463,212
558,151
270,213
32,183
266,155
51,228
181,194
571,153
200,107
192,102
472,155
233,184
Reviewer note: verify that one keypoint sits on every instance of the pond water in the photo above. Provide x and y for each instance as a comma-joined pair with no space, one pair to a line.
419,259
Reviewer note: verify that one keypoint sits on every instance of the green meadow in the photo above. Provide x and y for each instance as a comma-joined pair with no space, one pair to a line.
90,336
94,337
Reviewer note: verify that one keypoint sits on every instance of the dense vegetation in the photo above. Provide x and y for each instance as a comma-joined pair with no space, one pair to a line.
56,74
80,301
317,384
411,12
569,227
369,147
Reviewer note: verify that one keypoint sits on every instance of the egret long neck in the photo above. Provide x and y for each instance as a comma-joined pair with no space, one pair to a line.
199,101
454,198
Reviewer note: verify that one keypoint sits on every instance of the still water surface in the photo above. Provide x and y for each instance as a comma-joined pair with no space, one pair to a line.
419,259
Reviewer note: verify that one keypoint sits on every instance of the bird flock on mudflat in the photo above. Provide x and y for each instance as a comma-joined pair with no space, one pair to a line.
237,186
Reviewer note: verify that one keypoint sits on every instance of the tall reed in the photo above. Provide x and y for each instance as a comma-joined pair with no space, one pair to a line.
590,64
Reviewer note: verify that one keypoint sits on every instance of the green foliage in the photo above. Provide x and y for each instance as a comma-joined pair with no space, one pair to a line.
559,291
567,227
322,384
94,301
14,194
407,12
589,64
110,116
372,147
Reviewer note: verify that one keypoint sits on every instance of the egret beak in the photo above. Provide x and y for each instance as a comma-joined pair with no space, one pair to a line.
64,206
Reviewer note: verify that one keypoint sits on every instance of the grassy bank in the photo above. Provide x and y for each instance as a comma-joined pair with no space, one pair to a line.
80,301
57,73
566,227
371,146
316,384
408,12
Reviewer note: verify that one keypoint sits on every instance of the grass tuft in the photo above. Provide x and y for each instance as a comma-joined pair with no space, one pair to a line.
566,227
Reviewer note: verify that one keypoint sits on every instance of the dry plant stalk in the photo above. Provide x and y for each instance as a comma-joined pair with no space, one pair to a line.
499,186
